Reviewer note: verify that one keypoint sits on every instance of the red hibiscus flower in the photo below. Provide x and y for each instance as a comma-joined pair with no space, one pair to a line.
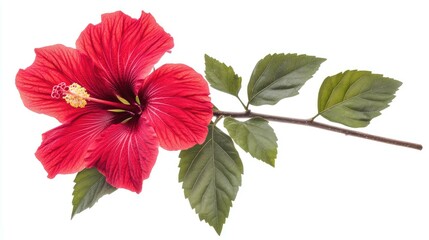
114,108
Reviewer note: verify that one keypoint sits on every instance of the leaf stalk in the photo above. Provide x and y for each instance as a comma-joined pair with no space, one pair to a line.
242,104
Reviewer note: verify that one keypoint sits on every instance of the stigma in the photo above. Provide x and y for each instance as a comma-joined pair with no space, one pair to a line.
74,94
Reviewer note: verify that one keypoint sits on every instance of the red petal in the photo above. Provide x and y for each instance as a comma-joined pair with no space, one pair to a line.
178,106
53,65
125,48
64,148
125,154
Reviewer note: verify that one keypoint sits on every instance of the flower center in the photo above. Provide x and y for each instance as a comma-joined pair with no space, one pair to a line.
78,97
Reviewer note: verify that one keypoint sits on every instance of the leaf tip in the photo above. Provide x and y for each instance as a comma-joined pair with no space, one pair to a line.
90,186
72,215
218,229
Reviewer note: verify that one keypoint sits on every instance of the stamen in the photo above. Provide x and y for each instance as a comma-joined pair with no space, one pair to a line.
75,95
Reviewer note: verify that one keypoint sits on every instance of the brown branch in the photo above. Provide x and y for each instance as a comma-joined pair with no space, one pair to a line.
312,123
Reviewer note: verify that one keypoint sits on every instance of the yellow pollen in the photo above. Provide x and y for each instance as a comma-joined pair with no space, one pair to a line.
76,96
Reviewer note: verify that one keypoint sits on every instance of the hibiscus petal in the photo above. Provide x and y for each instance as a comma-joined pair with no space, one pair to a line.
125,48
64,148
125,154
177,105
53,65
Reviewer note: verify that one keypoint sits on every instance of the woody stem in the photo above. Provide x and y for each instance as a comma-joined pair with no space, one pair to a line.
312,123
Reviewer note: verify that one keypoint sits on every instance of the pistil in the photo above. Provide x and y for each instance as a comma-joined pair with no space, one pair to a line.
78,97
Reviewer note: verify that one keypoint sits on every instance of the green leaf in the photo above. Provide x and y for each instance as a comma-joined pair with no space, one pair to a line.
280,76
90,186
254,136
353,98
222,77
211,175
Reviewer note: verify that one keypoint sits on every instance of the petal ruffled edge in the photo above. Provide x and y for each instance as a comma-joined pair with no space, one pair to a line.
125,48
125,154
53,65
177,106
63,149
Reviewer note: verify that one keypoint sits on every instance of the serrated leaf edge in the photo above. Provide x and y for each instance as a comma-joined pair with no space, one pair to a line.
77,209
244,124
276,54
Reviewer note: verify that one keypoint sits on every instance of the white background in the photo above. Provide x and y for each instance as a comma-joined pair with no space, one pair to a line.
325,185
